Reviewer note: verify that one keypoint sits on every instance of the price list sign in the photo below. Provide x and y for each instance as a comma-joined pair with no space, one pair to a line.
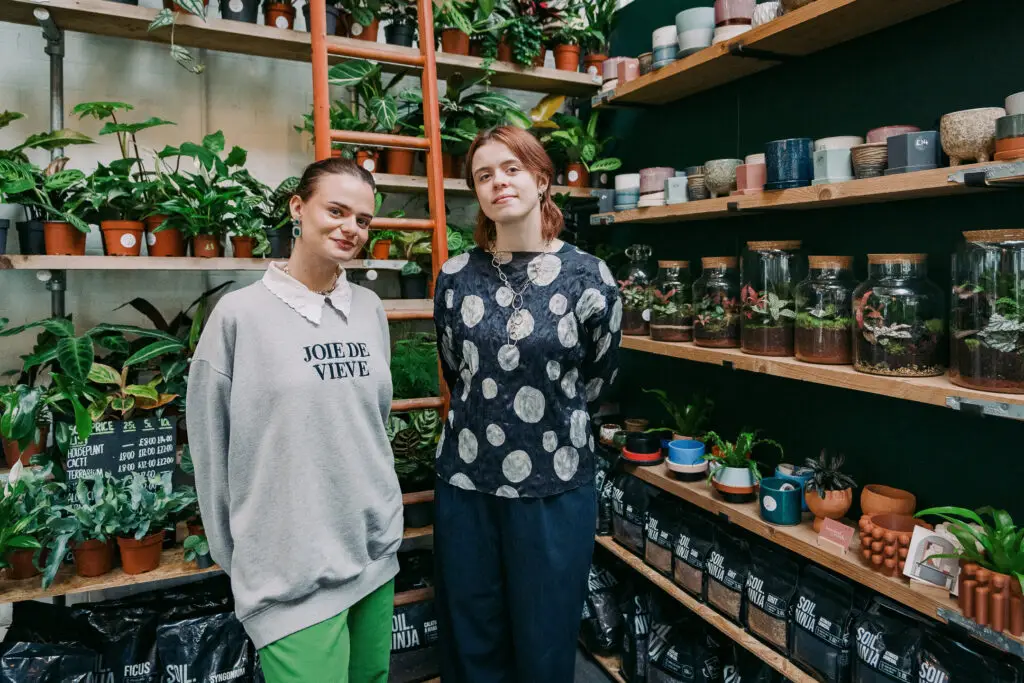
146,446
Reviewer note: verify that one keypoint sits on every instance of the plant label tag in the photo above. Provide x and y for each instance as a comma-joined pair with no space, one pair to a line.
835,536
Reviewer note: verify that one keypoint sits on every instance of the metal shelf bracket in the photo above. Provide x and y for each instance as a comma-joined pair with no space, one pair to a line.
982,407
741,50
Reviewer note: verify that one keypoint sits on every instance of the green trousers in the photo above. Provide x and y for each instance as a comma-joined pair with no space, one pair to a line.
353,647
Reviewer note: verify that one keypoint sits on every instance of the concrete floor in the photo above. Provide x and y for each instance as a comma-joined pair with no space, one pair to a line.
589,671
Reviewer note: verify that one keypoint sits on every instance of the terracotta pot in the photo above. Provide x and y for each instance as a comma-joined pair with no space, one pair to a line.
367,33
885,539
381,250
400,161
567,57
21,563
504,51
279,15
990,598
452,165
636,424
538,61
476,48
196,529
242,246
167,242
834,505
92,558
13,454
206,246
62,239
122,238
138,557
577,175
368,160
594,64
877,499
454,42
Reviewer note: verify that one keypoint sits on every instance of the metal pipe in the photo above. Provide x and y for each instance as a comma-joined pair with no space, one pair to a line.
54,36
57,284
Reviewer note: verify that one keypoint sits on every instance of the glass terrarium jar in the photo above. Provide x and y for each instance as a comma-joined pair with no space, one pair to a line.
771,271
672,303
987,321
716,311
899,317
635,286
824,311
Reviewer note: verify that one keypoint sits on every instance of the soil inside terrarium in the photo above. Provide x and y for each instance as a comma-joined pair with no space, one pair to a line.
633,323
768,341
913,360
672,333
715,336
822,345
979,366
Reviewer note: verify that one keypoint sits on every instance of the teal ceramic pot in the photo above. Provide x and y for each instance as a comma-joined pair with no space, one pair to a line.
798,475
781,501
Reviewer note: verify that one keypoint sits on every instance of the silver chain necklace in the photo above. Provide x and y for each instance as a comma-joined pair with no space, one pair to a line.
518,301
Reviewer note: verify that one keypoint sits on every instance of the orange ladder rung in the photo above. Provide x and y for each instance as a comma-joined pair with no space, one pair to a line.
402,224
410,315
404,405
362,52
358,137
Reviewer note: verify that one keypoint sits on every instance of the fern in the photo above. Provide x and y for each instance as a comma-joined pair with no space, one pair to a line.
414,372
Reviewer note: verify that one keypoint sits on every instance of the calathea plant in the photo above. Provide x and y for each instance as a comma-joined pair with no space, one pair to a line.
413,443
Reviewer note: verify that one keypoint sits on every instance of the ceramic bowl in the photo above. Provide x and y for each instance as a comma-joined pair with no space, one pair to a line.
696,188
732,12
970,135
695,39
832,166
877,499
1009,149
1015,104
696,18
885,132
870,160
750,178
646,63
838,142
720,176
675,190
790,5
664,37
653,179
766,11
627,181
724,33
629,70
752,159
789,161
667,53
913,152
1010,126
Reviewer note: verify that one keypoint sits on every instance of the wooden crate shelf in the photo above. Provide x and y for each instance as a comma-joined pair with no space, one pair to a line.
104,18
814,27
733,631
937,391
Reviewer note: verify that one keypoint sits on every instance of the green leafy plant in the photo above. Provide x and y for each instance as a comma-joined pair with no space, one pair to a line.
690,418
166,17
364,11
765,309
21,515
381,235
413,442
827,317
715,312
377,105
398,11
576,142
998,546
735,454
414,367
196,546
89,513
145,505
601,17
825,474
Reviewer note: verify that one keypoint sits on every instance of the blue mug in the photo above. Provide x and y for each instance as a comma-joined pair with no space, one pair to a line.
686,452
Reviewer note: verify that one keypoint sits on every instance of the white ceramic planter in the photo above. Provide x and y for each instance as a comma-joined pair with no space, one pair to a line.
832,165
838,142
698,17
664,37
735,477
1015,104
724,33
627,181
695,39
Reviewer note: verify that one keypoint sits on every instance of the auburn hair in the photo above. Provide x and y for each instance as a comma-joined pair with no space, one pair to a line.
529,151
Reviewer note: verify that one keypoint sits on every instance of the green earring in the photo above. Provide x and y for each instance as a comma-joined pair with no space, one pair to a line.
296,228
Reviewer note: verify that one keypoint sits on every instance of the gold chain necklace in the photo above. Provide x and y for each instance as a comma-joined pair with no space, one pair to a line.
321,292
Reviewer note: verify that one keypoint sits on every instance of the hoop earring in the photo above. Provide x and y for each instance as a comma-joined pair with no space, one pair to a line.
296,228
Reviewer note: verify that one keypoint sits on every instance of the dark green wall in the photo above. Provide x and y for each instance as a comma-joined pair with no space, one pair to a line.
968,55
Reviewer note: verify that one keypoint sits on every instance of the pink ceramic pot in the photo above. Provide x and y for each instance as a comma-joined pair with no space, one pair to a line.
729,12
653,179
628,70
750,178
611,69
885,132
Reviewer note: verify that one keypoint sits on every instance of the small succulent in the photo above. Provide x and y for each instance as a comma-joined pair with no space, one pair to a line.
826,475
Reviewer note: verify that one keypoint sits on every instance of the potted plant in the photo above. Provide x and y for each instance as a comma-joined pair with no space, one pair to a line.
454,20
333,25
362,18
241,10
568,36
168,16
732,470
248,238
828,492
23,428
414,442
767,325
85,520
380,242
600,21
142,506
197,549
271,213
402,19
279,13
23,510
690,418
579,145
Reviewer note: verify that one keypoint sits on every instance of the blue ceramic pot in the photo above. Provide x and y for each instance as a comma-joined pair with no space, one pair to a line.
781,501
686,452
803,474
789,161
668,52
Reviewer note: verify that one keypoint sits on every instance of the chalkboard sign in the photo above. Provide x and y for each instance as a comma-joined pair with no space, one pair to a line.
146,446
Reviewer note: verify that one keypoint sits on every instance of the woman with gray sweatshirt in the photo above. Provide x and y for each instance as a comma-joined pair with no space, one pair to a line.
288,395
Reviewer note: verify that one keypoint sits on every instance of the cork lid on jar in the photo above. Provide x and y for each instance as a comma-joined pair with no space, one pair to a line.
718,262
837,262
776,245
896,258
994,235
673,264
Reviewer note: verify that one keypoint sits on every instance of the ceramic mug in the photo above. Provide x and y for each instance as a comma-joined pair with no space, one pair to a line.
698,17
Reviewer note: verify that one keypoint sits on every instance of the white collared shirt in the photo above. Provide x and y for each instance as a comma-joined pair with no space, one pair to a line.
300,298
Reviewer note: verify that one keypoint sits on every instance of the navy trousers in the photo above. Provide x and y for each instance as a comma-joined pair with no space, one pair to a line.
511,581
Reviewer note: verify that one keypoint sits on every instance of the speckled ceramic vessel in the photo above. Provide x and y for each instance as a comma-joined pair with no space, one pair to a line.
766,11
720,176
970,135
870,160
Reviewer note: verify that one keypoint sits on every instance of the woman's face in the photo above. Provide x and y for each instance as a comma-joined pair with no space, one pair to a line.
336,218
505,189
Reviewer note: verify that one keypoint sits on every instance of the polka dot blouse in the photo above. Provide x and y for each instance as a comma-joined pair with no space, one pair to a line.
519,424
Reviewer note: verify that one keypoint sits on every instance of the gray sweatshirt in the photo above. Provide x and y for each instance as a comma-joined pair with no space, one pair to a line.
288,396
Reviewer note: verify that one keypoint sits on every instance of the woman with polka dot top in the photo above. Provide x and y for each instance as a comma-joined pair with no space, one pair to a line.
528,331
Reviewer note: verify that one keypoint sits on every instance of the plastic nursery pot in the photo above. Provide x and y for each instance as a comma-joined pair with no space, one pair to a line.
63,239
138,557
735,484
577,175
122,238
567,57
166,242
401,33
454,42
333,16
368,160
92,558
400,161
367,33
452,165
22,566
31,239
243,10
204,561
381,250
206,246
594,64
833,505
279,15
241,247
781,501
280,242
12,453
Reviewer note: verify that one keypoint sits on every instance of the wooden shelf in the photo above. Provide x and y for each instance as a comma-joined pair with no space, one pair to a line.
733,631
420,532
22,262
416,595
937,391
802,540
612,664
918,185
387,182
172,566
105,18
418,497
812,28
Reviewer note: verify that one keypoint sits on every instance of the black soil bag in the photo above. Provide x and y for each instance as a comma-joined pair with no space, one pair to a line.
207,648
22,662
683,651
662,530
636,616
126,639
414,635
630,499
944,659
822,621
602,621
771,591
603,480
888,645
727,567
694,541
